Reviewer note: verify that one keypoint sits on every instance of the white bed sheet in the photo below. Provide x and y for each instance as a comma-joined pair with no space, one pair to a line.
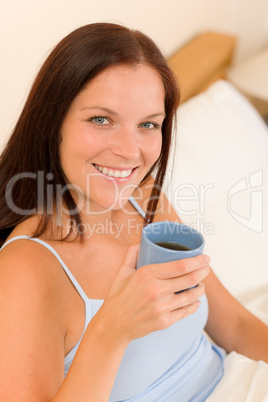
245,380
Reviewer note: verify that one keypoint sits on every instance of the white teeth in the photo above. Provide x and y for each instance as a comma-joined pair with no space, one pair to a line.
114,173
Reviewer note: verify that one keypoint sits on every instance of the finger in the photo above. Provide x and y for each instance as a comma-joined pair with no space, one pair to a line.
177,268
190,280
180,310
188,296
184,312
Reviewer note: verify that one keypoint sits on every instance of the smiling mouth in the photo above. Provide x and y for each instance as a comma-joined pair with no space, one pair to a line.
113,172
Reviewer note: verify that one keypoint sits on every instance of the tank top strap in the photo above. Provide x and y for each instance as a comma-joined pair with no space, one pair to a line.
64,266
137,206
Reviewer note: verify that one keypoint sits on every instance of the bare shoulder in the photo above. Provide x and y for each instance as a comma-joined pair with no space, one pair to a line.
31,275
26,258
32,326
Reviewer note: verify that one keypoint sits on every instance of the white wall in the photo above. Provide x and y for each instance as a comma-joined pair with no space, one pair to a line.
30,28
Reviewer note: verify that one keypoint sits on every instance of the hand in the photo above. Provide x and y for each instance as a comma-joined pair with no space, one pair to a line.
145,300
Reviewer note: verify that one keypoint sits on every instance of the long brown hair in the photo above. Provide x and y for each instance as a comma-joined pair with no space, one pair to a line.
33,148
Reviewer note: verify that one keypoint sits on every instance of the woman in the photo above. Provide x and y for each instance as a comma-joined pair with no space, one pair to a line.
96,125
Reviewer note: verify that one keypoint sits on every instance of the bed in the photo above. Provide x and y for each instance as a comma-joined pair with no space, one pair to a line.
218,183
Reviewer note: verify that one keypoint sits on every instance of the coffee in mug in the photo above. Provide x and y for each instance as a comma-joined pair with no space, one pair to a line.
171,245
168,241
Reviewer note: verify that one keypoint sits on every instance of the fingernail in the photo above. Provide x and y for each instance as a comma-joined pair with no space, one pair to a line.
207,259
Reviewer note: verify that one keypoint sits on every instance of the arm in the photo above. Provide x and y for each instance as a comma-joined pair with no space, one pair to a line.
231,325
92,373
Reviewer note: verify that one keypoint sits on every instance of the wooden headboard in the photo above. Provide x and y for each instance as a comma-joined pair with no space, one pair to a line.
202,61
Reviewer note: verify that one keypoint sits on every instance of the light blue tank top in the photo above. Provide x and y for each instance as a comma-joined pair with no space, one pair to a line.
178,364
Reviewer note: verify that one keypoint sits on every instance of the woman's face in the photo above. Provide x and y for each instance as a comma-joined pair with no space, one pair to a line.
111,135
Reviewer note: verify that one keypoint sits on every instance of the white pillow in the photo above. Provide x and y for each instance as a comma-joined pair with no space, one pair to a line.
219,183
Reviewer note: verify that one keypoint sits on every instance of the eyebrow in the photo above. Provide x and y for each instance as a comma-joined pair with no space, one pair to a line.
115,114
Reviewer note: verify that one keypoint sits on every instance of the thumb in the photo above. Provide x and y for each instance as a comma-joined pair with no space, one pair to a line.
125,270
130,259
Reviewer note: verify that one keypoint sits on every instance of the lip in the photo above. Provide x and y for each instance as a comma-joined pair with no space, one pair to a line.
112,178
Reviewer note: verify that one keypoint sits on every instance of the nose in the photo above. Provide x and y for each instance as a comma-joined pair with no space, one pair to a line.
125,144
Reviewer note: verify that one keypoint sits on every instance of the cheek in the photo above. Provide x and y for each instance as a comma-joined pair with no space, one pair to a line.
152,149
71,159
74,151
